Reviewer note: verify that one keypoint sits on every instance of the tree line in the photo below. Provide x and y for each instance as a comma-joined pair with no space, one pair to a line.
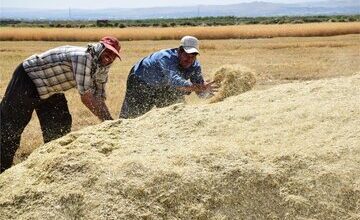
173,22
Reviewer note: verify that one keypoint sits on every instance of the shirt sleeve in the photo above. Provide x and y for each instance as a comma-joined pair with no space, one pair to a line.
197,77
172,74
100,80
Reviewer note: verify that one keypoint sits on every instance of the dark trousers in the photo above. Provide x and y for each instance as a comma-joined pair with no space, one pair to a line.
20,100
141,98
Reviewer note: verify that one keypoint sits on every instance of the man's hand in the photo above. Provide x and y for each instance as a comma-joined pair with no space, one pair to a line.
96,105
210,87
207,87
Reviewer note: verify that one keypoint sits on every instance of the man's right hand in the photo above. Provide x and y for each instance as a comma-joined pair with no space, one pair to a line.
96,105
207,87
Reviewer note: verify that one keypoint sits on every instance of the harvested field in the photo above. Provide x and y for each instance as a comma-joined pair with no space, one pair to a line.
175,33
275,61
286,149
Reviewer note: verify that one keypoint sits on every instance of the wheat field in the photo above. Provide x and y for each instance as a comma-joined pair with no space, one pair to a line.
173,33
274,60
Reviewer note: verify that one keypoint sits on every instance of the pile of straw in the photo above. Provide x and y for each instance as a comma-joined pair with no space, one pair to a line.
232,80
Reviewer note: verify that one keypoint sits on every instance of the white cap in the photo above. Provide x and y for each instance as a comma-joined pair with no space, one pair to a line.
190,44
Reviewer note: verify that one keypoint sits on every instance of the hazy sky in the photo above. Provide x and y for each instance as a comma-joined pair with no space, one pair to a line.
94,4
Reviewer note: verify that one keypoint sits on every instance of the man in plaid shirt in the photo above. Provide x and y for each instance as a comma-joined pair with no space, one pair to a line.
38,84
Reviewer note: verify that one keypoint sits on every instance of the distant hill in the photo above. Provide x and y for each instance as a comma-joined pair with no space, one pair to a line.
252,9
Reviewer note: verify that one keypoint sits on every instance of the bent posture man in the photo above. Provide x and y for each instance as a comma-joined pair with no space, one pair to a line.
38,84
163,78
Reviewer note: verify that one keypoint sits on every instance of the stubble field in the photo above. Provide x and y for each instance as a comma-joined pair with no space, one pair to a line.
274,60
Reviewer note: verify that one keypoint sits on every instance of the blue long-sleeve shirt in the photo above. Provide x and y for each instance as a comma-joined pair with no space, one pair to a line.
162,69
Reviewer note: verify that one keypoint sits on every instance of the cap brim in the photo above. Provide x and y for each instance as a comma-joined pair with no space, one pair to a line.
191,50
112,49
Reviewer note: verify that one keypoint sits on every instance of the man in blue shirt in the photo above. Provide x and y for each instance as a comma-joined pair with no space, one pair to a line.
163,78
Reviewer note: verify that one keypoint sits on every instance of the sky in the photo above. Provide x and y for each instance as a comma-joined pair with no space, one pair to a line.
97,4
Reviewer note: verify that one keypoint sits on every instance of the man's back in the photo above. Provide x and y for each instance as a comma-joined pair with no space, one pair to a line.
61,69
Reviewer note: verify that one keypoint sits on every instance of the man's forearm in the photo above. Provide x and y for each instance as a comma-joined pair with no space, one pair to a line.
192,88
97,106
200,88
103,112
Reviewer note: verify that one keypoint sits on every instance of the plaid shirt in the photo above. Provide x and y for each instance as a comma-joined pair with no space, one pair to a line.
63,68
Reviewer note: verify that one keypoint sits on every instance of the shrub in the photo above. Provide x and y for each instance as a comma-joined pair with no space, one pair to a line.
297,21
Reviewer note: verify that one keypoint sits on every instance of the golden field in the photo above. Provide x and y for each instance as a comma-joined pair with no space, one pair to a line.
173,33
275,60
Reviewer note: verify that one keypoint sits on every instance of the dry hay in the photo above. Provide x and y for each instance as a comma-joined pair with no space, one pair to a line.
233,80
289,152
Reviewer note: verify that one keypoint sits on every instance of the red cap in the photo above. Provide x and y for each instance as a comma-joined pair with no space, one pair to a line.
112,44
